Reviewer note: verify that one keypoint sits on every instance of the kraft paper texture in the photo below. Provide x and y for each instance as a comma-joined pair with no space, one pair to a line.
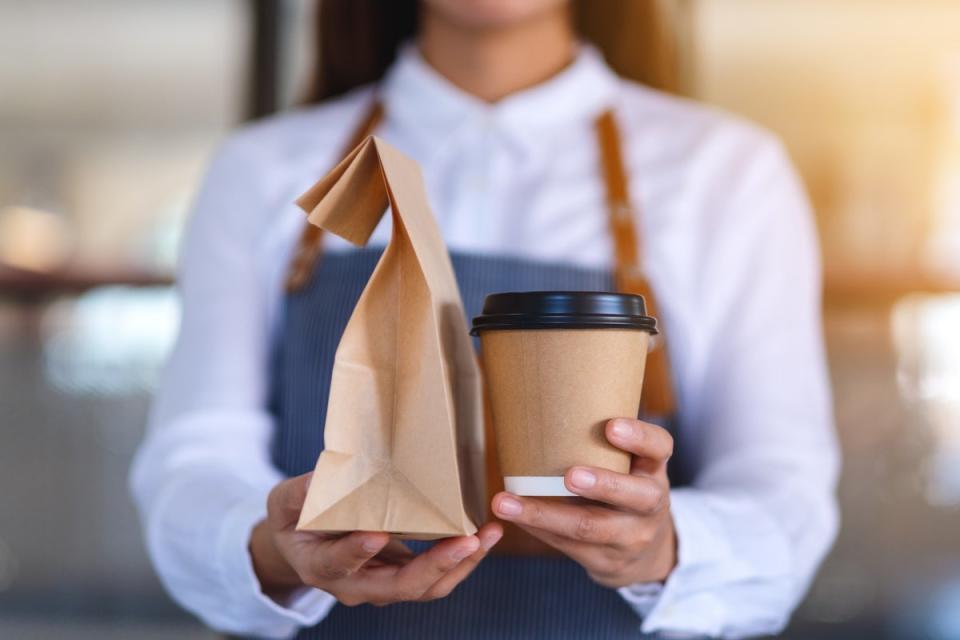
404,425
552,392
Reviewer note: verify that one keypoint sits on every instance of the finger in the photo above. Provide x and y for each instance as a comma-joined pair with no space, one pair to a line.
412,581
644,440
640,494
604,563
286,500
340,558
489,535
580,552
594,524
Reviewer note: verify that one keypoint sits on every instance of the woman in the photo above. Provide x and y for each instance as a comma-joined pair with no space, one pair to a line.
522,133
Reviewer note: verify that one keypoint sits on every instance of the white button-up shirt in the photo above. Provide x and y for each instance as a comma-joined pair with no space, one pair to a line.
729,246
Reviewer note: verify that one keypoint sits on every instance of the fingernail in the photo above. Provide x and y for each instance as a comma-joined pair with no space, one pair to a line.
582,479
462,553
370,545
621,429
509,507
491,539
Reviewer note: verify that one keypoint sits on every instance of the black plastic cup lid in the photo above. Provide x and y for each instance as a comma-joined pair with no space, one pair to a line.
563,310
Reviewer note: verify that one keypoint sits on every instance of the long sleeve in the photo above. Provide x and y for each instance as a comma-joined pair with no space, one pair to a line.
761,513
201,477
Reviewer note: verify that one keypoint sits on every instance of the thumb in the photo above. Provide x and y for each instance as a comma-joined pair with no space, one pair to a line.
286,500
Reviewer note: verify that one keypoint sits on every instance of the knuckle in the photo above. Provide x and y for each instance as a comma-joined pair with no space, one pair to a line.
276,502
659,500
668,448
536,517
612,483
272,502
666,441
650,499
284,497
585,529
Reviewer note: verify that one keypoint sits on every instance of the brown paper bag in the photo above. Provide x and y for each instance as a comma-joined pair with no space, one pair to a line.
404,426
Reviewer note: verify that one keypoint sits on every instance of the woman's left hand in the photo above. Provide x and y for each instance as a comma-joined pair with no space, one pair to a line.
626,535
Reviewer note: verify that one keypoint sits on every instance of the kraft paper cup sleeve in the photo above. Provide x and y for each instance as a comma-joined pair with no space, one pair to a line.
404,425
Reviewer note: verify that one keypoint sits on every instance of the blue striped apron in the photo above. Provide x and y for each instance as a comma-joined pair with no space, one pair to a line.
506,596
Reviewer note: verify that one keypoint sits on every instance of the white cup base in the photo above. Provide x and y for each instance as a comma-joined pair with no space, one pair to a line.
536,486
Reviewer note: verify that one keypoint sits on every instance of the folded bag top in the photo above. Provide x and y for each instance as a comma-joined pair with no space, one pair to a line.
404,426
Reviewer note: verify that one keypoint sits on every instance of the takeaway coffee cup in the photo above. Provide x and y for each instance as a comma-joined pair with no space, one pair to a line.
558,365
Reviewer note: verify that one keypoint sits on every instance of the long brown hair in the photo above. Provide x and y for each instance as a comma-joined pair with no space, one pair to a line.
357,40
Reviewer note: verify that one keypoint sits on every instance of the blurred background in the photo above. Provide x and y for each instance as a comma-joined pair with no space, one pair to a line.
109,110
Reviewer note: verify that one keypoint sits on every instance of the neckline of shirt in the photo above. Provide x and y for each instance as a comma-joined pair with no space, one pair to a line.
427,106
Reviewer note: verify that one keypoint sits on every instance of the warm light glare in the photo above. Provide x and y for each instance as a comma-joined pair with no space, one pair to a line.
32,239
944,244
866,96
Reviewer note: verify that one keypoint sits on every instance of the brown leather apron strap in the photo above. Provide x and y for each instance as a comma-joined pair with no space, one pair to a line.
658,398
308,250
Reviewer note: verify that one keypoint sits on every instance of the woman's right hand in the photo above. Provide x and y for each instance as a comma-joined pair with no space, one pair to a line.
360,567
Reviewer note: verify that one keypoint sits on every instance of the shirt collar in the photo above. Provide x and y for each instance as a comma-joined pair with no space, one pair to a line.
426,106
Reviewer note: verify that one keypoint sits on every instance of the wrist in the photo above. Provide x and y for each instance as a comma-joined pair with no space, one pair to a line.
277,578
659,560
666,558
